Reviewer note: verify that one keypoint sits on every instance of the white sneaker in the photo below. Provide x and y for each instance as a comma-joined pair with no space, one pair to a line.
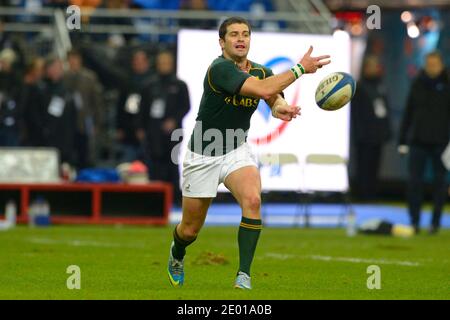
242,281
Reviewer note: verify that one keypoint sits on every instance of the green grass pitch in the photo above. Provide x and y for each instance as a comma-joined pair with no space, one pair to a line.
130,263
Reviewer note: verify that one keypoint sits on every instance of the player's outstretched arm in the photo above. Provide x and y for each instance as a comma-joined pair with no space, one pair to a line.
266,88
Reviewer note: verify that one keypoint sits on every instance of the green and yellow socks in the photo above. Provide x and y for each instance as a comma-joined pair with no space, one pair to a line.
179,245
248,236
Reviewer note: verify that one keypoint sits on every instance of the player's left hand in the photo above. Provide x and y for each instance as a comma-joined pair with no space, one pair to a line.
285,112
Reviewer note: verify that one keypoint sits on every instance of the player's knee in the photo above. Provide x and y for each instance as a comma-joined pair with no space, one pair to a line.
190,232
252,203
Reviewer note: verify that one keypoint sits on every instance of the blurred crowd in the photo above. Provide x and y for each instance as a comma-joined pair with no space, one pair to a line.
58,103
138,23
50,102
218,5
113,99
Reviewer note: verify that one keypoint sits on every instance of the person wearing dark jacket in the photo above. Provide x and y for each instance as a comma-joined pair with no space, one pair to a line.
370,127
127,117
165,102
84,81
60,112
31,103
10,113
424,134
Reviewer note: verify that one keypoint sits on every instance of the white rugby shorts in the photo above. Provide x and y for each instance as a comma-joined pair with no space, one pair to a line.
203,174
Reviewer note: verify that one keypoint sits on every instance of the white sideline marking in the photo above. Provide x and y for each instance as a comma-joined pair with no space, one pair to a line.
362,260
280,256
83,243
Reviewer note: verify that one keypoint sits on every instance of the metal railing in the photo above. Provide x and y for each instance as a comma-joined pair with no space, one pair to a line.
169,22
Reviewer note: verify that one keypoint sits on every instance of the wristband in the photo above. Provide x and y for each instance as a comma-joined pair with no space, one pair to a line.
298,70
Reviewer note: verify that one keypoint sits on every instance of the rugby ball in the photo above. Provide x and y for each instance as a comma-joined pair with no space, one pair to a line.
335,91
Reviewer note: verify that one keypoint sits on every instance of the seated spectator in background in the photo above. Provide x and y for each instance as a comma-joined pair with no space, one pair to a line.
239,5
31,103
157,4
85,82
130,148
87,7
60,112
10,114
3,37
258,9
86,4
196,5
27,5
114,21
227,5
370,127
164,103
61,4
144,24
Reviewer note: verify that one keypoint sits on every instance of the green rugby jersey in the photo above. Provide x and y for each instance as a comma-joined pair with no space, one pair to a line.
224,115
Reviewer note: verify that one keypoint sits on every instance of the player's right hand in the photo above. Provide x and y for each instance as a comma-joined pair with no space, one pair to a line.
285,111
311,64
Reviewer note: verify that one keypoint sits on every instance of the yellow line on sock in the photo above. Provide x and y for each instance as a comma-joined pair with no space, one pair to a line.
251,226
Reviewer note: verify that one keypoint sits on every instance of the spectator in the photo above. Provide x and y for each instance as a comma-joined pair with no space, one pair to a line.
116,38
424,135
165,102
15,42
128,108
87,7
157,4
226,5
61,4
196,5
370,127
84,81
31,103
4,39
60,107
145,24
9,100
86,4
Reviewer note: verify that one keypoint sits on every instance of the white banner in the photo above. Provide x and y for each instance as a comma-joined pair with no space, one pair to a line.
315,132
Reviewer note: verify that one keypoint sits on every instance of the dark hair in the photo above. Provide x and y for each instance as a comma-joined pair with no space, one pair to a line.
223,27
